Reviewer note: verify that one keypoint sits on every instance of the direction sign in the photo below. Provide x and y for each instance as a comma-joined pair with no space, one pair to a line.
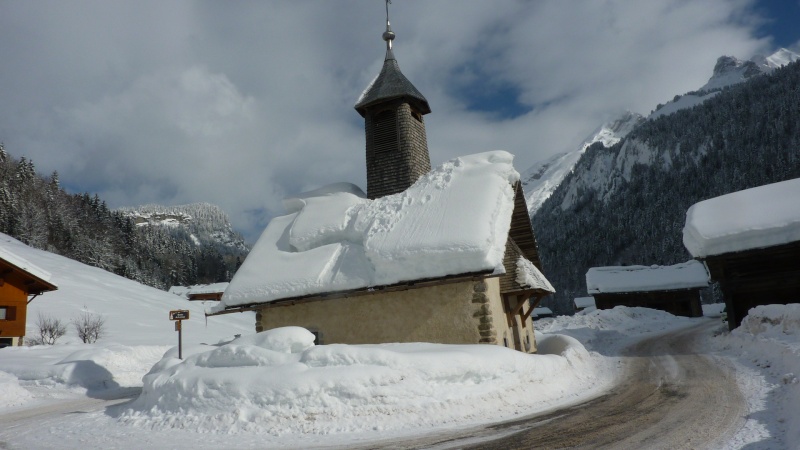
180,314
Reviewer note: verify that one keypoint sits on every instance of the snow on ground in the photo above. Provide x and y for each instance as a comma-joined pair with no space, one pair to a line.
767,349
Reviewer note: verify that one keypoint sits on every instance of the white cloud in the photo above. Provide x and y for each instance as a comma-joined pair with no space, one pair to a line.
240,103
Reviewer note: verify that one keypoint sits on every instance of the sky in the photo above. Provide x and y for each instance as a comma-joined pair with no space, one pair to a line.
242,103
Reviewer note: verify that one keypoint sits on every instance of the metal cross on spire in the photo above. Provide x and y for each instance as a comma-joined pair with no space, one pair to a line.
388,35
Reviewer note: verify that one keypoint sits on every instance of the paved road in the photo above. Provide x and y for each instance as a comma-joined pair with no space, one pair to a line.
671,398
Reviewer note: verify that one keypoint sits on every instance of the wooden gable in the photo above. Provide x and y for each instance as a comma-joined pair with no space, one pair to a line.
521,242
521,231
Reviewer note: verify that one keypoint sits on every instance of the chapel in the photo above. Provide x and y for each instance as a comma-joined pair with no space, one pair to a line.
442,255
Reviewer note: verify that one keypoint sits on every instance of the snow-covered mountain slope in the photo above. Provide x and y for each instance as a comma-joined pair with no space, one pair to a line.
727,72
206,223
541,179
123,304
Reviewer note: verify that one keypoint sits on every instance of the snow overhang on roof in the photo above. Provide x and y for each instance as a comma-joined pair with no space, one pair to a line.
531,277
452,221
40,278
760,217
625,279
213,288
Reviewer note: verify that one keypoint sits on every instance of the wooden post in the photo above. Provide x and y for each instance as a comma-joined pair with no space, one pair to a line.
180,338
178,316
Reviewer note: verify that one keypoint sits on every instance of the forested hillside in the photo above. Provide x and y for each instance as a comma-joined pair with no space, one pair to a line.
37,211
626,204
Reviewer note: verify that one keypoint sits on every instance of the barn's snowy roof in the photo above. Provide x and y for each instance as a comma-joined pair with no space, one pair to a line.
585,302
623,279
186,291
452,221
760,217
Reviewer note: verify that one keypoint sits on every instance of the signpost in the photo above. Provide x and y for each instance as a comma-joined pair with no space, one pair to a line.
177,316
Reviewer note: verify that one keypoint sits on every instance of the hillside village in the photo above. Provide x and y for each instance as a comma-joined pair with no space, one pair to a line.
418,312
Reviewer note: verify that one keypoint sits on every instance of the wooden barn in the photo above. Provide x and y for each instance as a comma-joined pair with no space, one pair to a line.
674,289
750,242
445,255
20,283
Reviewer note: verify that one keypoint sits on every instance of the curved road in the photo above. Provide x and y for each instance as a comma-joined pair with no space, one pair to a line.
671,398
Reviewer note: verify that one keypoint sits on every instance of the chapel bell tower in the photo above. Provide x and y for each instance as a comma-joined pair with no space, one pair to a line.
392,108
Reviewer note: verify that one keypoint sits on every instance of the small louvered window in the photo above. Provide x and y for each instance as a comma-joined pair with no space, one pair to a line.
385,138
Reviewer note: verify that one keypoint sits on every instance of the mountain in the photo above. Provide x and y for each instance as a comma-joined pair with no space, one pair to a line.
40,213
541,179
206,224
728,71
626,203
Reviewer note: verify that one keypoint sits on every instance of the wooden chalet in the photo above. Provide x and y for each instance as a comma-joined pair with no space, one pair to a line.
674,289
20,283
750,242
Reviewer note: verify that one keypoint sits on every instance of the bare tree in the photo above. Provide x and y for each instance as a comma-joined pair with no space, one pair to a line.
49,329
90,327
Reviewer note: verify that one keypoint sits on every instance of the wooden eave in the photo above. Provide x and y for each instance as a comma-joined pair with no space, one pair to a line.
694,288
403,286
30,282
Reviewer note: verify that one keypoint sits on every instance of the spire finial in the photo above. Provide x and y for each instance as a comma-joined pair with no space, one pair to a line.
388,35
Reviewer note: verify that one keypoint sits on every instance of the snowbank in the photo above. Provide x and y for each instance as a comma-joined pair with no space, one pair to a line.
278,383
453,220
13,393
606,331
768,341
760,217
613,279
94,367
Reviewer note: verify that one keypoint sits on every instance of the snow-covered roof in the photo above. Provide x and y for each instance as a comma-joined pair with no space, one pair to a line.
454,220
212,288
23,264
622,279
760,217
197,289
584,302
529,276
542,311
